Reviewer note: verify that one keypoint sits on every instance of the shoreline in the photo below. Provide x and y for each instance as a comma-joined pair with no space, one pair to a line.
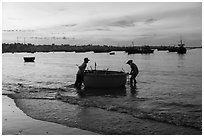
15,122
32,48
97,120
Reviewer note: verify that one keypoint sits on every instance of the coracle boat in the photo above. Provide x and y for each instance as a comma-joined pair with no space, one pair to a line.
104,79
29,59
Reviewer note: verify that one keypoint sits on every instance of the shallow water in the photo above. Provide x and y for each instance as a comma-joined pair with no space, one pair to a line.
169,86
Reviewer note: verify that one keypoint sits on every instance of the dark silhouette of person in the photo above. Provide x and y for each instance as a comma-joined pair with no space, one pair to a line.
80,74
134,72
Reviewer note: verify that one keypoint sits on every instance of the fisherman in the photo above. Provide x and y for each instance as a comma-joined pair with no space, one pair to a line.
134,72
80,73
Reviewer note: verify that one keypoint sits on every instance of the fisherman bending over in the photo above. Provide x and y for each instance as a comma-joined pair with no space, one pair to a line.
80,74
134,72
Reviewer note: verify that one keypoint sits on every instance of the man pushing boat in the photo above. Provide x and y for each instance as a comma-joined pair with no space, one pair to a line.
134,72
80,73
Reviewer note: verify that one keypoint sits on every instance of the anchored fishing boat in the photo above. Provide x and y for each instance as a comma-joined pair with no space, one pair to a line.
142,50
173,49
29,59
104,79
181,49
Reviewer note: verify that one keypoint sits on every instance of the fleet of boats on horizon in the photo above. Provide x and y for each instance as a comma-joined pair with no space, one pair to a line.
146,49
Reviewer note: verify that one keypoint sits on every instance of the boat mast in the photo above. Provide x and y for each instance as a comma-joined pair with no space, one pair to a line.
181,44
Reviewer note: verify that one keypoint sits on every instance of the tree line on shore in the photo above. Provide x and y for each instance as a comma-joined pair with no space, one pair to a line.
20,47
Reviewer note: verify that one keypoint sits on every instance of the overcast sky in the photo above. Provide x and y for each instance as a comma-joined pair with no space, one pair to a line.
102,23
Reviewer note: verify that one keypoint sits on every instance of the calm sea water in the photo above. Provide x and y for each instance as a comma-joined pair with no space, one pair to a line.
169,86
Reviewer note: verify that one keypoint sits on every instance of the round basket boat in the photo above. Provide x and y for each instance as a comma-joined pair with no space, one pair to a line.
104,79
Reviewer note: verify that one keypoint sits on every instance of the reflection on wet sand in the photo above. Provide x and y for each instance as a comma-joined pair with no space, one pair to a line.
134,91
102,92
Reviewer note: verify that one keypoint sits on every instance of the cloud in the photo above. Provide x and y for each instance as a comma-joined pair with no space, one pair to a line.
69,25
149,21
116,22
103,29
122,23
130,21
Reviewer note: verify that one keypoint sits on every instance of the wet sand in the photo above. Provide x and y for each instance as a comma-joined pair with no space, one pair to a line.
15,122
97,120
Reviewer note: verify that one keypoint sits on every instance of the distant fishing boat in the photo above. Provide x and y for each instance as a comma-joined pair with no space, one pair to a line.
173,49
181,49
101,51
143,50
104,79
162,48
29,59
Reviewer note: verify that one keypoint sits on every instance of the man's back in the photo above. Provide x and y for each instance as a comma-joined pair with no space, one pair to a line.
82,68
134,68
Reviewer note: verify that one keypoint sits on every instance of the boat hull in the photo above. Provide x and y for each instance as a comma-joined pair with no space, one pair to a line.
29,59
104,79
174,49
181,50
141,51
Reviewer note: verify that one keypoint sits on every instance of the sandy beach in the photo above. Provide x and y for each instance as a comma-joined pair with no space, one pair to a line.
15,122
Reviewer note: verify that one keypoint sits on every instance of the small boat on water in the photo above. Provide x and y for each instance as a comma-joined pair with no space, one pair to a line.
173,49
101,51
112,53
162,48
29,59
143,50
181,49
103,79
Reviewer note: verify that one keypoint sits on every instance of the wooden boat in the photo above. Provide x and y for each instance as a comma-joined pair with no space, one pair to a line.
104,79
29,59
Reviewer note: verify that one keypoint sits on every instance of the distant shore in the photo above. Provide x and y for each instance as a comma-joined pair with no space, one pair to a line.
31,48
